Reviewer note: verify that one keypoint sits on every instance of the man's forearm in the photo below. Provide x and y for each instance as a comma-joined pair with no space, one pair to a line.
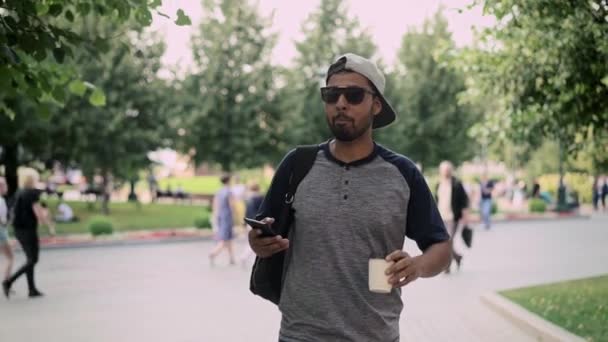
436,259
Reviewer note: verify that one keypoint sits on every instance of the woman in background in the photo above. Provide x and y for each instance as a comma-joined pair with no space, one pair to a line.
222,220
27,214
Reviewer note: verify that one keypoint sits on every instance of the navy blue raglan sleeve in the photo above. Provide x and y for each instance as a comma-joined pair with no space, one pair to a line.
271,205
424,224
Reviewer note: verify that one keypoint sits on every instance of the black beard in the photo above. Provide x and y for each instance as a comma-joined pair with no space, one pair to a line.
348,132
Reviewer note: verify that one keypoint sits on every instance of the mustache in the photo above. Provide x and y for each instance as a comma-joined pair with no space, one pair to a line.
342,116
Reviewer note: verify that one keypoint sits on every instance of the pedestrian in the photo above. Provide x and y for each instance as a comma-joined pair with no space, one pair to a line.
28,213
222,220
453,202
254,201
604,193
596,192
358,202
485,204
5,247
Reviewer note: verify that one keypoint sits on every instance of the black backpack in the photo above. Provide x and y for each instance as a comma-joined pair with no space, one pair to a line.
267,273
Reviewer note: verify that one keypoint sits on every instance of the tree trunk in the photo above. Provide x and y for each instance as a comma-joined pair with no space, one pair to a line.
11,163
106,191
132,194
561,190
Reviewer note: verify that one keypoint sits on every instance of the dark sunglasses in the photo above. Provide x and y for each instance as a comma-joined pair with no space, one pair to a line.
353,95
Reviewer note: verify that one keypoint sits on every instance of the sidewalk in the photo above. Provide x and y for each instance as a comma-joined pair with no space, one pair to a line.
169,292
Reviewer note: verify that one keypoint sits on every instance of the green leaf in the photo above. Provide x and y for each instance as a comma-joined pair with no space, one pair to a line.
154,3
98,98
182,18
605,80
59,54
43,110
41,9
102,45
84,8
55,10
77,87
101,9
144,17
9,54
7,111
59,94
69,16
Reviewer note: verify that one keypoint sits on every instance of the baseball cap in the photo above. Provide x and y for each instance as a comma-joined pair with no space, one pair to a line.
369,69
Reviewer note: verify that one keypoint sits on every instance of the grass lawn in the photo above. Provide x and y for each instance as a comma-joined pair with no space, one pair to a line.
193,185
580,306
128,216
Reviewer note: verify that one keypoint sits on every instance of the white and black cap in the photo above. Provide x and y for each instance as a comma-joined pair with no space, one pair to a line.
369,69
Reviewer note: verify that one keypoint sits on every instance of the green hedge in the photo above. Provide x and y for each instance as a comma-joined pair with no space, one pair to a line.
537,205
579,182
100,225
203,221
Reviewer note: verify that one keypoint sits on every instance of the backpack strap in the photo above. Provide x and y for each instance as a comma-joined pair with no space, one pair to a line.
304,159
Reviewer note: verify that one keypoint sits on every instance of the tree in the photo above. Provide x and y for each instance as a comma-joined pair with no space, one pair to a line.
432,125
328,32
545,61
229,97
37,39
113,140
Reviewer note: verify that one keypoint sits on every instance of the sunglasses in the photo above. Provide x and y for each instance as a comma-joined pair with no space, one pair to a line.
353,95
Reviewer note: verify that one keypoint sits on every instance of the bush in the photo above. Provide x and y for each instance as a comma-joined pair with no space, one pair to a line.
579,182
203,221
100,225
537,205
494,209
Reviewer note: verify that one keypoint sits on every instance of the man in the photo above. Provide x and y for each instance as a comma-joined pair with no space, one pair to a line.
453,202
358,201
485,204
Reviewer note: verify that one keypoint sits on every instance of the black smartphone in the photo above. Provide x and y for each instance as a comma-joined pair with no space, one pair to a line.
264,227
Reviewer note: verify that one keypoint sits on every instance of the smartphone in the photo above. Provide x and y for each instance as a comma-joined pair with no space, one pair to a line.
264,227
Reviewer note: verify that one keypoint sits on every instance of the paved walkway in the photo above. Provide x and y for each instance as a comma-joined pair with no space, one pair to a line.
168,292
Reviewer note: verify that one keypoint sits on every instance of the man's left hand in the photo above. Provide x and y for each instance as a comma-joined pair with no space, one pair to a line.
404,269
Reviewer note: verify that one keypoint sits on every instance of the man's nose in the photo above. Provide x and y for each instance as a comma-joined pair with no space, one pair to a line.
341,103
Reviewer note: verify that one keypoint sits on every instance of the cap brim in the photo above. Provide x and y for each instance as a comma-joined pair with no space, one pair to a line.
386,116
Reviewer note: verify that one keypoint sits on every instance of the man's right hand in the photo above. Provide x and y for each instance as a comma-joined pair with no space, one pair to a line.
266,246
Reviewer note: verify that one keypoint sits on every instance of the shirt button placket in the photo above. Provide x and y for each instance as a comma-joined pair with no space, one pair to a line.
345,187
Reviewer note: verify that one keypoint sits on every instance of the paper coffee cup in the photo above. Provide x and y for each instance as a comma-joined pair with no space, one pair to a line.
378,280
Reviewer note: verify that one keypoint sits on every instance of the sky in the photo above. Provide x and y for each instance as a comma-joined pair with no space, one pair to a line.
387,20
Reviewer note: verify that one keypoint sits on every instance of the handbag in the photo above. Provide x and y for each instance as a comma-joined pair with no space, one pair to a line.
467,235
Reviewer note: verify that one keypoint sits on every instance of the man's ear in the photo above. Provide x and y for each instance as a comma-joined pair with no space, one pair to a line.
377,105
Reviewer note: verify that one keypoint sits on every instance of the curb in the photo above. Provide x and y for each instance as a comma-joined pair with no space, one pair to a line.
536,218
539,328
123,242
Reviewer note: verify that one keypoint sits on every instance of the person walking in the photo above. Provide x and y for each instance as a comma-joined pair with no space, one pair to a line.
28,213
5,247
485,204
453,201
222,220
358,202
254,202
